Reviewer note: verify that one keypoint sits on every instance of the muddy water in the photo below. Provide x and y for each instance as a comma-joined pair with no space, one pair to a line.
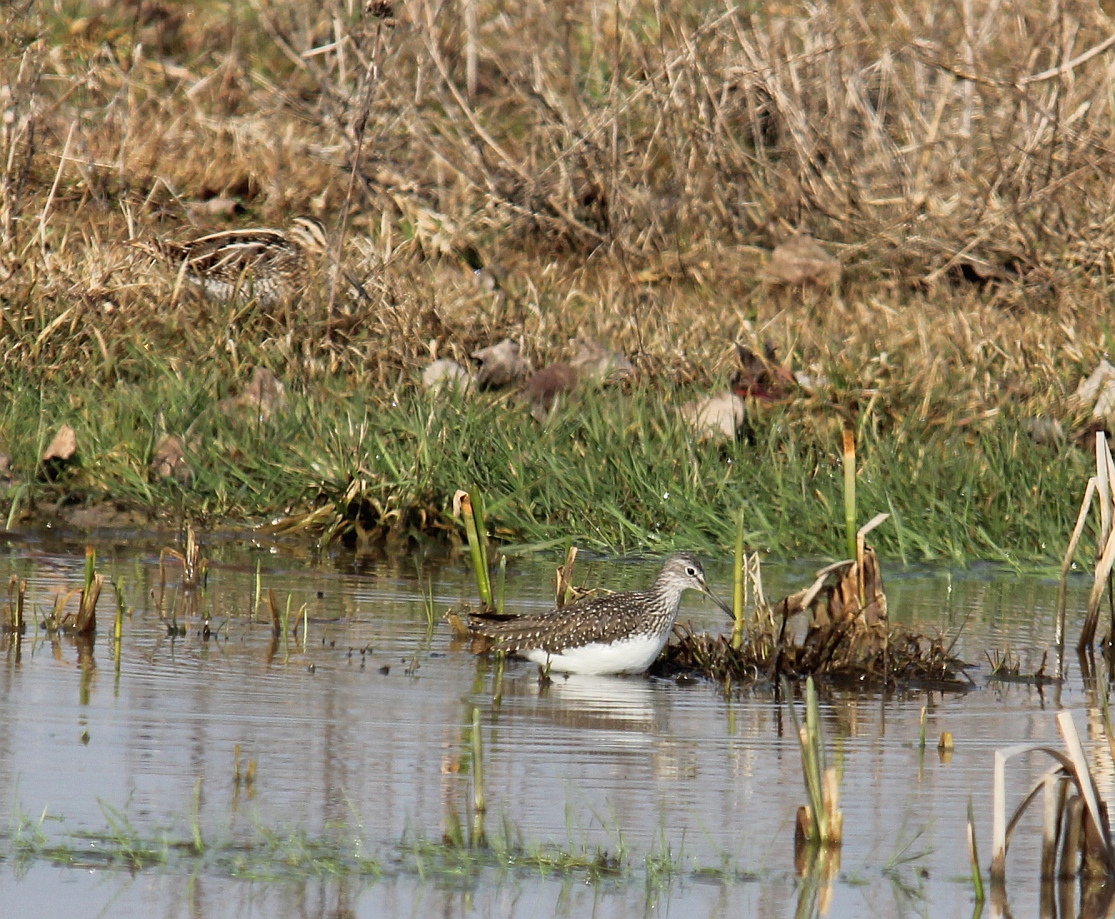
363,726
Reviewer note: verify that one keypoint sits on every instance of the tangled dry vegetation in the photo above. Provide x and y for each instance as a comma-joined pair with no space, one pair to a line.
623,174
847,638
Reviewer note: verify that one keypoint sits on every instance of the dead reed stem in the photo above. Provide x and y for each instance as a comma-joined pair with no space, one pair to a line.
1085,831
1100,485
1070,552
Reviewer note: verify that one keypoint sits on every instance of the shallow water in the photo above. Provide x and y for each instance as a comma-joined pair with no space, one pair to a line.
363,732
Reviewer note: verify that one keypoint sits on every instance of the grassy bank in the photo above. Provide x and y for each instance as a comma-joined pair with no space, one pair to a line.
626,185
618,470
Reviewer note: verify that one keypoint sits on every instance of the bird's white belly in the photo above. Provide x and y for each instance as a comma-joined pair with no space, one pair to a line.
631,655
265,291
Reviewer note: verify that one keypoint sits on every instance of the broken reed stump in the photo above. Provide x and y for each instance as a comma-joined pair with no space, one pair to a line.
84,621
848,638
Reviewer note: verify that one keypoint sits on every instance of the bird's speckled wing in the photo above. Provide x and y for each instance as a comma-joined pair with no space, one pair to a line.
599,619
228,254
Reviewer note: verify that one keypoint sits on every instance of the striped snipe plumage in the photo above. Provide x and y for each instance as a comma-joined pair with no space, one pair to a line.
617,633
269,265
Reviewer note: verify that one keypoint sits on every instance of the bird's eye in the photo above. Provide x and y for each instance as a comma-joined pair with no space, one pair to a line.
691,571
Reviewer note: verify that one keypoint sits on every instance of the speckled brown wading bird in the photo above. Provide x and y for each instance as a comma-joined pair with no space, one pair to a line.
269,265
617,633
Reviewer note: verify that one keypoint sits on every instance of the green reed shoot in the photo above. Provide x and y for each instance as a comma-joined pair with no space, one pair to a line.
17,598
195,820
479,510
479,803
826,821
286,627
497,680
118,623
17,493
850,490
973,855
473,517
427,589
121,609
737,585
501,582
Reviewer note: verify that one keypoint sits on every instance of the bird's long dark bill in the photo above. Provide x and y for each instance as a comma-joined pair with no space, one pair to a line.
724,606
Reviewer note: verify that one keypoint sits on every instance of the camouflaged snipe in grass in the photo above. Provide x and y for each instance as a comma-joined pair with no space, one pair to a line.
266,264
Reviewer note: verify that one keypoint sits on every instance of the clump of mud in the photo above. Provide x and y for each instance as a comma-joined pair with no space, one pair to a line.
848,640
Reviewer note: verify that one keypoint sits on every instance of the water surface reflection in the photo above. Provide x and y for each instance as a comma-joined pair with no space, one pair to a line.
362,721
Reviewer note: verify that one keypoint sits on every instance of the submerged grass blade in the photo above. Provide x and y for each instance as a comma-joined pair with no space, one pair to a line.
479,800
501,583
973,855
813,760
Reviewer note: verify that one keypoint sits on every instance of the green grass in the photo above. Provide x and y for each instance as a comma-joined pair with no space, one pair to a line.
617,472
339,851
125,121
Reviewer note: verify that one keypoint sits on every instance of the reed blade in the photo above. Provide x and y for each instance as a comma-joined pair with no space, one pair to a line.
850,490
738,584
463,505
973,855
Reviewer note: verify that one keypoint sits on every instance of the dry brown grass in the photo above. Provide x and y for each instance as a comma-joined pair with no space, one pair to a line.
622,169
